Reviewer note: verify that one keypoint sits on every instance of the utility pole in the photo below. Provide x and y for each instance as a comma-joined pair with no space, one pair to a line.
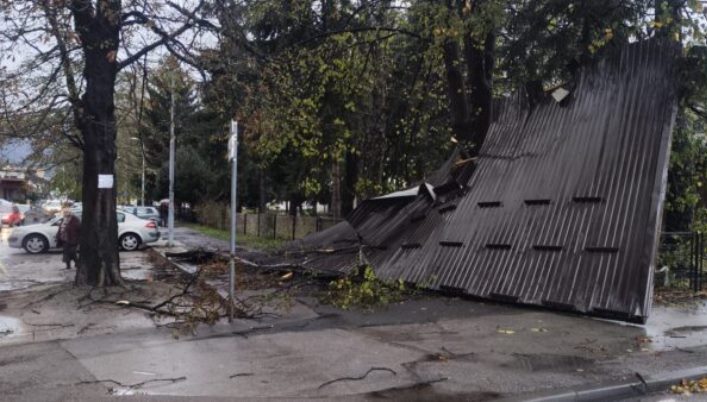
233,156
142,189
142,184
170,217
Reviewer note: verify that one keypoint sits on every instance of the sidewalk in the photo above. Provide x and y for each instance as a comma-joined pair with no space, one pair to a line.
451,348
424,348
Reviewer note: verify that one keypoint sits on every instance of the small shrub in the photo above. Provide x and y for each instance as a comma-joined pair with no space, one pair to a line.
363,289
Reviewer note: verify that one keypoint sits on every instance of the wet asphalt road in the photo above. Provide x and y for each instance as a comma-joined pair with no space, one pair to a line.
470,350
20,270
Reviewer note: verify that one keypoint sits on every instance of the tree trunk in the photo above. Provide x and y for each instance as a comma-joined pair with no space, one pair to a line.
480,63
456,90
348,193
99,263
470,97
335,206
262,201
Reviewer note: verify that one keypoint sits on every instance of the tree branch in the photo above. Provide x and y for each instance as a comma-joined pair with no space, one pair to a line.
165,37
74,98
358,30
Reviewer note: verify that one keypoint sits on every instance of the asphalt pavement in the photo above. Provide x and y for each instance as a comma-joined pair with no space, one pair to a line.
424,348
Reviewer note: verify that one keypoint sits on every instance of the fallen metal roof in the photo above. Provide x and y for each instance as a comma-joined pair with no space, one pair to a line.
562,209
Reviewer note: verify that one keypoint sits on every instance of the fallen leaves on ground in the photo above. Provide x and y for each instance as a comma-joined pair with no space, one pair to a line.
678,297
538,329
505,331
687,387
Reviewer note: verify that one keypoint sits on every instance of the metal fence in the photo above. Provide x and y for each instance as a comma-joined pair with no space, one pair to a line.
278,226
268,225
681,261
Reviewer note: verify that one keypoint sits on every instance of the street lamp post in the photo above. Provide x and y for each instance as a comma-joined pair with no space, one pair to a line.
172,141
142,183
233,156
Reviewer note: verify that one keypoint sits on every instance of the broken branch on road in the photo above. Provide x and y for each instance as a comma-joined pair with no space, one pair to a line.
241,375
372,369
133,386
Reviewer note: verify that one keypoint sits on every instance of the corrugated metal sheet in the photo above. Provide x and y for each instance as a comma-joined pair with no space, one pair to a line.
563,207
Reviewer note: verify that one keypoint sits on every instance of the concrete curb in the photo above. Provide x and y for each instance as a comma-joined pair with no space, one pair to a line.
160,252
187,269
656,383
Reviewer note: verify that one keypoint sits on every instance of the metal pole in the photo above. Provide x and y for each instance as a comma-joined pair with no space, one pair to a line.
142,191
694,261
698,260
234,188
170,217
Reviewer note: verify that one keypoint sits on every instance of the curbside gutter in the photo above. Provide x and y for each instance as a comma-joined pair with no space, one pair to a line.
638,388
160,253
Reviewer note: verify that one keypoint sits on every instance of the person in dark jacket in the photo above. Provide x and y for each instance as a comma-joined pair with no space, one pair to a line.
68,237
164,212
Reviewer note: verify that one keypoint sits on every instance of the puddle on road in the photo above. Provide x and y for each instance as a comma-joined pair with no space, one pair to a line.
549,362
677,327
10,326
136,273
16,285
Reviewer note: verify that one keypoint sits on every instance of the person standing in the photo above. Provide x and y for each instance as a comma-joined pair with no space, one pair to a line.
68,237
15,218
164,212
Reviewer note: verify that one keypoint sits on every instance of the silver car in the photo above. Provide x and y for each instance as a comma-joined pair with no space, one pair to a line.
150,213
35,239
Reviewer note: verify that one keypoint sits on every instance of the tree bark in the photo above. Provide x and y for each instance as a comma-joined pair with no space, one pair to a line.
335,208
458,103
99,29
470,95
348,193
262,198
480,64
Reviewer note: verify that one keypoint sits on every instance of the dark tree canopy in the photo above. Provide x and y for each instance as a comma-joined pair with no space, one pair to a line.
338,100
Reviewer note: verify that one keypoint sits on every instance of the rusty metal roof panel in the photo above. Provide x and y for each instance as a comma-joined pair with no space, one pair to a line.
561,209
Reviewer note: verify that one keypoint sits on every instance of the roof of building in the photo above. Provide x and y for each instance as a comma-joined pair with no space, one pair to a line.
561,209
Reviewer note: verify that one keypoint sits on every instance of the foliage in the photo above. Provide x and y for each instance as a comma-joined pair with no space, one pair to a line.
362,289
337,107
243,240
686,175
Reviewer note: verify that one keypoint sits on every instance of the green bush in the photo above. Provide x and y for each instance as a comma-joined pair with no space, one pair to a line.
363,289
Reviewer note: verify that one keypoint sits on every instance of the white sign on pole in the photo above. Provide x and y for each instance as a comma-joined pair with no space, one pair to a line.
105,181
232,147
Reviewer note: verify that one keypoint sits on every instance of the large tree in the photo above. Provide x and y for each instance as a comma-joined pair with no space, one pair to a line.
64,57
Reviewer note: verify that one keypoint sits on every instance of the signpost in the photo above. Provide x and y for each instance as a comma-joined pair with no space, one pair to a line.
233,157
172,142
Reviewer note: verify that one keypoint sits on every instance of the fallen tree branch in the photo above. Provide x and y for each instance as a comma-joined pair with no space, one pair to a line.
133,386
417,385
372,369
241,375
50,325
86,328
45,298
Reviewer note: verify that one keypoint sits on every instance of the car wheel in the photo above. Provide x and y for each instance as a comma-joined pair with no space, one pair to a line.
35,244
129,242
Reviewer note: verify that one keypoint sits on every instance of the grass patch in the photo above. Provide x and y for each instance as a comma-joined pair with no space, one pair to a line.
242,240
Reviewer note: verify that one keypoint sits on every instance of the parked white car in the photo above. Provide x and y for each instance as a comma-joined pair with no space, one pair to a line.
39,238
150,213
52,206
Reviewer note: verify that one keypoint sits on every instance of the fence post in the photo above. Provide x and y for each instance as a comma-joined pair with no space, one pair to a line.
317,224
700,251
294,225
274,227
694,239
258,224
245,222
